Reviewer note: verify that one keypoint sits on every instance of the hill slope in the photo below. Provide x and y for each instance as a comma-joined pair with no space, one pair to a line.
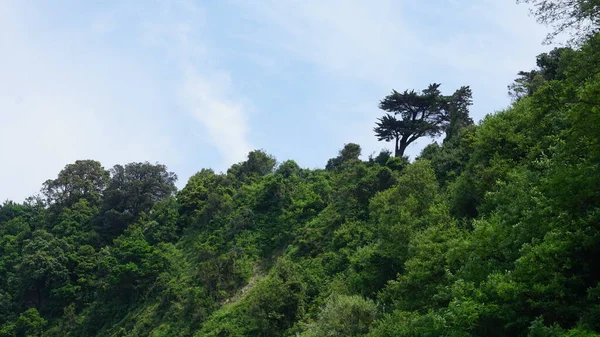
495,232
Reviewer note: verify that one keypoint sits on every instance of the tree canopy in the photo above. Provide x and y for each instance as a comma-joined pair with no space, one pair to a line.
411,115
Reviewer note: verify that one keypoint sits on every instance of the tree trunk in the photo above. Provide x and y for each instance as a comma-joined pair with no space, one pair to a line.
400,148
396,147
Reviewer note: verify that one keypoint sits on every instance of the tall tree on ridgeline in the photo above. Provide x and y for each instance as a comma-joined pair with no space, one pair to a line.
428,113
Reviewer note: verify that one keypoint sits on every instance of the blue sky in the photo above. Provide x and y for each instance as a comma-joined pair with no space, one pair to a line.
196,84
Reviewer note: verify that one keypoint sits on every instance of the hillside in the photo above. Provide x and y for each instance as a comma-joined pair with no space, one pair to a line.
493,230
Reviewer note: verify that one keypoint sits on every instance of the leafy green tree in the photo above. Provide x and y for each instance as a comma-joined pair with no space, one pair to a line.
427,113
74,223
269,308
397,213
43,267
458,113
85,179
382,157
10,210
428,270
84,272
525,84
550,66
258,164
131,265
28,324
133,190
162,225
350,151
205,195
408,324
450,158
343,315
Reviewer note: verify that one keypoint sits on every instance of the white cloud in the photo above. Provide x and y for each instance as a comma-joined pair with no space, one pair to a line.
68,95
224,118
394,43
207,93
103,23
52,114
351,38
406,45
124,84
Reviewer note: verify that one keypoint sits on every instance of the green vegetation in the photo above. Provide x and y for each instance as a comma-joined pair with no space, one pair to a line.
495,231
428,113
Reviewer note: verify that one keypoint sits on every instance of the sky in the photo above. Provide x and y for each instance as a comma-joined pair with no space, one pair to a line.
199,84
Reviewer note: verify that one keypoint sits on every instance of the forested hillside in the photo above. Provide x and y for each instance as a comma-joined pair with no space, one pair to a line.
494,230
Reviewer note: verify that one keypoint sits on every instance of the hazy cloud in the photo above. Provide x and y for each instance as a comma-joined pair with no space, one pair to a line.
406,45
170,81
65,95
224,118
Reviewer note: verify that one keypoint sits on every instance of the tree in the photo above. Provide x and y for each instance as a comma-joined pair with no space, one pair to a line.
579,17
343,315
550,66
131,265
10,210
205,195
525,84
458,112
133,190
258,164
428,113
162,226
28,324
84,179
350,151
43,266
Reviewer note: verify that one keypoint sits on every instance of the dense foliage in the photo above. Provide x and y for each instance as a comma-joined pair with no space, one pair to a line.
411,115
493,232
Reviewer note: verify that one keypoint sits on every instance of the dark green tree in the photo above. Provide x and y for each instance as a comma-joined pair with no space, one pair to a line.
350,151
258,164
428,113
133,190
28,324
550,66
84,179
458,112
43,266
343,316
525,84
130,265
